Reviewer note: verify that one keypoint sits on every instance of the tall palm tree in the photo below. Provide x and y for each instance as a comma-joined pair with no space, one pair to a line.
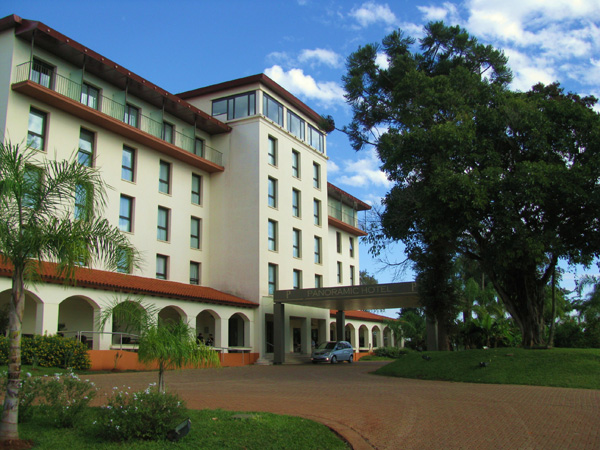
170,343
50,210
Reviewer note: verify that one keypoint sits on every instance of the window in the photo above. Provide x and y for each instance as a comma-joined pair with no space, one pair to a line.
318,281
162,267
297,279
339,272
124,261
351,246
195,230
272,109
315,139
131,115
296,202
295,164
128,164
42,73
90,96
272,151
194,272
316,175
162,227
317,211
167,132
338,241
126,214
318,258
273,269
352,275
295,125
82,202
235,107
32,181
272,192
85,154
196,189
199,147
164,177
296,243
272,235
36,130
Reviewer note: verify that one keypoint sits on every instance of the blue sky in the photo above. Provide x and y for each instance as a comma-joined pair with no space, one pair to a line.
303,45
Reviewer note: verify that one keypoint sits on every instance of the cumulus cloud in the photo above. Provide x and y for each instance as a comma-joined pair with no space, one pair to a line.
447,12
320,56
326,93
370,13
361,173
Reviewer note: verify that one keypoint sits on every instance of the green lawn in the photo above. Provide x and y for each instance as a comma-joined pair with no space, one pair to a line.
559,367
211,429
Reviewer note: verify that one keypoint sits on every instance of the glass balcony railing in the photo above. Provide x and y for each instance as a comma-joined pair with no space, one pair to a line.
337,213
42,75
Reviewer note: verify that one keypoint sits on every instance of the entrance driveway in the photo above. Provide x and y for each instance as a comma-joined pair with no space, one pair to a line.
374,412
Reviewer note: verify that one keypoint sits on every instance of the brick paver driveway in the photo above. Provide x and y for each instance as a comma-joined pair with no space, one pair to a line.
394,413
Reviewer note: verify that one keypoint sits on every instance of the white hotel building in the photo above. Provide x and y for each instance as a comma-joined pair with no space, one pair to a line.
222,189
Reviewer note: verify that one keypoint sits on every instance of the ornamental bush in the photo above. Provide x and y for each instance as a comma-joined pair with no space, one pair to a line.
147,414
49,351
390,352
28,393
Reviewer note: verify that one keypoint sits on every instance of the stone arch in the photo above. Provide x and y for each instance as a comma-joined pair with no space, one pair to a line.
76,318
171,314
363,337
208,326
376,335
239,330
350,335
32,314
387,337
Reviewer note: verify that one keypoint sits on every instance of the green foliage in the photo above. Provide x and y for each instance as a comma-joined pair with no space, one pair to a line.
147,414
49,351
412,322
390,352
28,393
569,334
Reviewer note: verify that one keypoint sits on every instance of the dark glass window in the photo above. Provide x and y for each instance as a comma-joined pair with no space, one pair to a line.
128,163
36,130
272,109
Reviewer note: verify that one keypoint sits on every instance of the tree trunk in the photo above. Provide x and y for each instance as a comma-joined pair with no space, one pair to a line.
10,414
553,314
161,377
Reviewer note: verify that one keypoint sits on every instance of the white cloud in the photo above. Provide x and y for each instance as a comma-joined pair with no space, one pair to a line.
447,12
326,93
320,56
361,173
371,13
382,61
528,70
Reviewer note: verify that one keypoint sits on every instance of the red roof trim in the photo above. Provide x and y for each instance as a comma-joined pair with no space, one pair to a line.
112,281
361,206
362,315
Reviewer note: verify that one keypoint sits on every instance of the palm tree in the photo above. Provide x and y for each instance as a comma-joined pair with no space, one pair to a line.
45,217
171,344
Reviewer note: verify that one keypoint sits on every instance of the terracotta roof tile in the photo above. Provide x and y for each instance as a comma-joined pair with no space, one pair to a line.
363,315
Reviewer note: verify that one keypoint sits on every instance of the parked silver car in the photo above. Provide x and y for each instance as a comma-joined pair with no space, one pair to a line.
333,352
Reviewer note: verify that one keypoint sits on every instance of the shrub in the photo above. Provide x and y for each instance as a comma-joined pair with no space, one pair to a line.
28,392
390,352
569,334
49,351
147,414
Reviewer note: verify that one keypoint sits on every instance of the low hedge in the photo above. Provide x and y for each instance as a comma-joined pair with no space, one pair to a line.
49,351
390,352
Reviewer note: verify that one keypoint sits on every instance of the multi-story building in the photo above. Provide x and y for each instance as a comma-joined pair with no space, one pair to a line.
222,189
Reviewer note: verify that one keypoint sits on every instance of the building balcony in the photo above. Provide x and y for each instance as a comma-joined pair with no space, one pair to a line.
65,94
344,221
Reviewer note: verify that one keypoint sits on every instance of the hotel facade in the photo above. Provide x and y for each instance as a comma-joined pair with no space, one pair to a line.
222,189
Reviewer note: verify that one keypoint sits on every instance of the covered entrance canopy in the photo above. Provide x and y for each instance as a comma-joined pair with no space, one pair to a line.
341,298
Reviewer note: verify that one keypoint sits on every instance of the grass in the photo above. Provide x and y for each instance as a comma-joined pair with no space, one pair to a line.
211,429
558,367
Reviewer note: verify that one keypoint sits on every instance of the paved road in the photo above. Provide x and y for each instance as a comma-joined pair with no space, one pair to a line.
374,412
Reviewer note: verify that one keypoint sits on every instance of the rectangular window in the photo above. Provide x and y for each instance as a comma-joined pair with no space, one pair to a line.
272,235
272,151
83,201
162,227
296,203
338,241
339,272
273,275
351,246
131,115
315,139
199,147
296,243
162,267
164,177
316,175
196,189
36,130
295,164
128,164
272,192
352,274
194,272
195,232
235,107
85,154
32,181
90,96
318,258
126,214
168,132
124,262
318,281
317,211
295,125
42,73
297,279
272,109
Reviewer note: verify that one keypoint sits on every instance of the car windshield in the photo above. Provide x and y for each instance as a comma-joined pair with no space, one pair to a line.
326,346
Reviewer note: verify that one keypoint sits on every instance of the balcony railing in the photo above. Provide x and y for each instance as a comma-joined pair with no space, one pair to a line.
336,213
42,75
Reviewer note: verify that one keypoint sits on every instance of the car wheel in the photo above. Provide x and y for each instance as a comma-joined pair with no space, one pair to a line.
351,359
333,360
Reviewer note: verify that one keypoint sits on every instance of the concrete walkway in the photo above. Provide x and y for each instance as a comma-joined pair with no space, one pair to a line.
374,412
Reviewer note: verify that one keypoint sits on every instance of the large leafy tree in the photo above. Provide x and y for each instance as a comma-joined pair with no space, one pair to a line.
509,179
39,221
